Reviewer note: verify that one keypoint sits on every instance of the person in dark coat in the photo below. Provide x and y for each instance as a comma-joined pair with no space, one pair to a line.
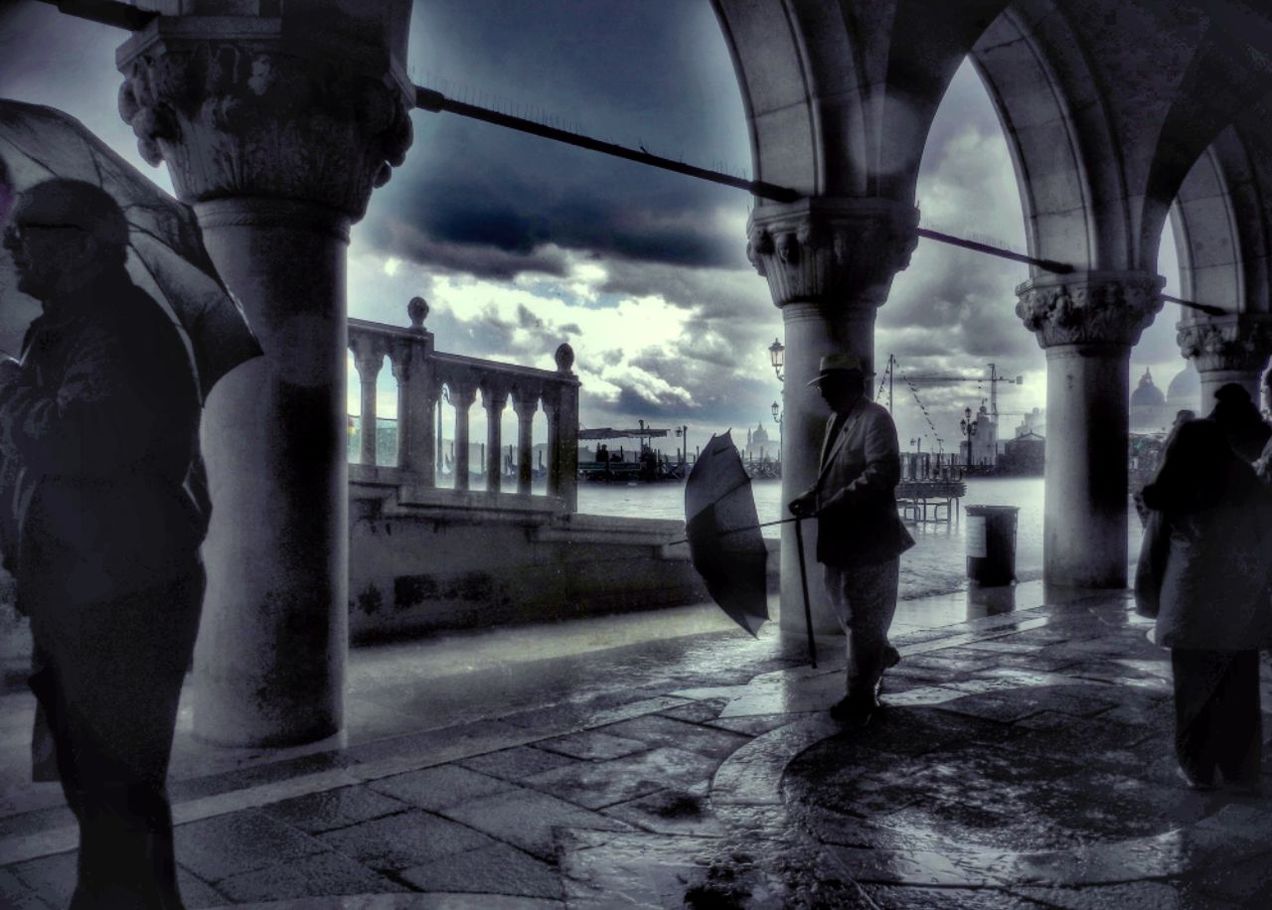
860,537
1205,574
1239,418
98,434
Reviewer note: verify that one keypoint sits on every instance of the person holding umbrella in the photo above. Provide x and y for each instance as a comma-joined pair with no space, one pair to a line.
860,537
99,441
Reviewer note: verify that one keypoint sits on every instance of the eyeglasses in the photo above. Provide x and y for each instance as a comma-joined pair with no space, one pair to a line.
15,232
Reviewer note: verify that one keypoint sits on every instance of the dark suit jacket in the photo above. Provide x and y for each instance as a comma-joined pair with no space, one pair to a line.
857,522
98,429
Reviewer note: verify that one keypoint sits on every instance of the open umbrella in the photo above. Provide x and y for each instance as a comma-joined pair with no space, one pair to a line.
723,531
725,545
166,259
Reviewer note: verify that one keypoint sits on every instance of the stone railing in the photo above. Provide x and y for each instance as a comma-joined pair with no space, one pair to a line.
428,379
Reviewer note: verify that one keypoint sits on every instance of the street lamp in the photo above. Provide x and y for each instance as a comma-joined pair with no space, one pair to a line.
682,433
777,357
968,427
778,418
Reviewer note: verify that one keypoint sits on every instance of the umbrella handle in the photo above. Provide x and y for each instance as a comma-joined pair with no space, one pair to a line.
803,580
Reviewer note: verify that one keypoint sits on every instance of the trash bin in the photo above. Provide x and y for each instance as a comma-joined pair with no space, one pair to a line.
991,544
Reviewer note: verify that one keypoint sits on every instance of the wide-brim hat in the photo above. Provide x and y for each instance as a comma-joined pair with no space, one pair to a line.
838,363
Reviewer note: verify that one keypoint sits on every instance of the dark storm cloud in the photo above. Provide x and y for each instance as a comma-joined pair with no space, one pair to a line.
485,199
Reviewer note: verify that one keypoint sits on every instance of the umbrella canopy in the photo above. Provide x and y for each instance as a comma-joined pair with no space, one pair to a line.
166,258
724,536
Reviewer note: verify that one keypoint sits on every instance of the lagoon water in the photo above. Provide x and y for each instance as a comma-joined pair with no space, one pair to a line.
935,565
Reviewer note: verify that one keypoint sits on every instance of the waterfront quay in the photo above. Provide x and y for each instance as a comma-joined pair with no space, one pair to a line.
1023,760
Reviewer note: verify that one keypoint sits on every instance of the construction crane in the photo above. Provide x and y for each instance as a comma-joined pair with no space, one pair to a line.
994,378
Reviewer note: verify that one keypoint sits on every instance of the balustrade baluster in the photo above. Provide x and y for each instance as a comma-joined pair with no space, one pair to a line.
462,398
494,399
527,405
368,358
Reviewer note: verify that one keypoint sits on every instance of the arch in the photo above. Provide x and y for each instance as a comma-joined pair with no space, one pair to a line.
839,97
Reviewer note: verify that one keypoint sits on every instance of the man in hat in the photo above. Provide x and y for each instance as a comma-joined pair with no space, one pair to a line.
98,436
860,537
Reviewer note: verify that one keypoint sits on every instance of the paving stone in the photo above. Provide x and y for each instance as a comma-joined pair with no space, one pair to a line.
216,848
655,730
50,878
528,819
439,787
1132,896
918,898
339,808
17,895
674,812
517,763
498,869
195,893
599,784
404,840
697,712
592,745
318,875
753,725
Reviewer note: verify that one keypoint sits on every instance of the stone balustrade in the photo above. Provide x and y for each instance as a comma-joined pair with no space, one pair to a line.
428,379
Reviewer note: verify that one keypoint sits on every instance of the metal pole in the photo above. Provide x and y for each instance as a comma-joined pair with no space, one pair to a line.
803,581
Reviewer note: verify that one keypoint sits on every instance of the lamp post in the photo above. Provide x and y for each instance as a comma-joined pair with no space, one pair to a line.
777,357
968,427
682,433
778,417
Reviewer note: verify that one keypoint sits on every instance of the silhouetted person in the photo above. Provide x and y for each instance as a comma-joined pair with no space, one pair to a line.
1182,417
860,538
1205,573
1239,418
98,430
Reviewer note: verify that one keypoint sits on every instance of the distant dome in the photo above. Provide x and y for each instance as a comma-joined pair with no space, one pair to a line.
760,435
1147,394
1185,389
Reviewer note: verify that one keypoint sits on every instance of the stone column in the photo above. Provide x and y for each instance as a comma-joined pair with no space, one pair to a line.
525,406
494,400
829,265
368,358
561,405
1087,323
275,130
416,396
1227,349
462,398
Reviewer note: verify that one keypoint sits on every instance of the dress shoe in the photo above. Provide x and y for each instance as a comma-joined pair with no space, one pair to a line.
854,712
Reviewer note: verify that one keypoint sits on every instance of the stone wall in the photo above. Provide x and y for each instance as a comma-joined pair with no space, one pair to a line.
451,562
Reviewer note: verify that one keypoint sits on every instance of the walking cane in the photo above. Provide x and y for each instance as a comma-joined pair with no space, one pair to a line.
803,580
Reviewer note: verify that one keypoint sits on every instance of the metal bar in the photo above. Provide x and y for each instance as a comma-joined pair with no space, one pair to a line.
1050,265
431,100
107,12
808,608
1193,305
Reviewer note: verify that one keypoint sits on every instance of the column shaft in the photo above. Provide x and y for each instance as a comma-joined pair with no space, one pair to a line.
462,399
525,445
494,441
1085,508
269,666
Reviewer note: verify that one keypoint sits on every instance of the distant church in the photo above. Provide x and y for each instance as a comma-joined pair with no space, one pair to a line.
1154,412
759,446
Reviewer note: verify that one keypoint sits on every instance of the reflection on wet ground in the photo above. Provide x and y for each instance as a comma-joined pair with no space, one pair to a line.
1023,760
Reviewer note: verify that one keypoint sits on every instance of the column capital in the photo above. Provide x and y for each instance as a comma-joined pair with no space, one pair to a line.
368,353
494,395
239,107
845,250
1237,343
1089,308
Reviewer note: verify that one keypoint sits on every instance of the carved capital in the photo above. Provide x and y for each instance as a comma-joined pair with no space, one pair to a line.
1089,308
1239,343
824,249
239,111
368,354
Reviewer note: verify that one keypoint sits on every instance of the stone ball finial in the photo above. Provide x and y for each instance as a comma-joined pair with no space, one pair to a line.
564,357
417,310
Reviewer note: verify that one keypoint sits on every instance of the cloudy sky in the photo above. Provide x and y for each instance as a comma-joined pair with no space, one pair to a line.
518,243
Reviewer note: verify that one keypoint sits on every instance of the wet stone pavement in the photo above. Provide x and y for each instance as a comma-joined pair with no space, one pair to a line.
1022,761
